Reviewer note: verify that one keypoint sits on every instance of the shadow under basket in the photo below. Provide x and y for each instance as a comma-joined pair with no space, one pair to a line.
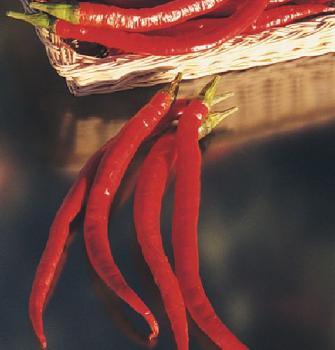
87,75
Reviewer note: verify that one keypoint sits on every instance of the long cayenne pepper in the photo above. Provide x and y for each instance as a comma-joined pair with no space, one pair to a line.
152,42
272,18
286,14
51,258
149,193
185,222
232,5
181,39
58,235
141,43
106,182
131,20
147,207
174,113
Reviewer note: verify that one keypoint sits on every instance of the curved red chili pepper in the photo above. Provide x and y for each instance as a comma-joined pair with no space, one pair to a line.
140,43
60,229
149,192
184,227
175,111
284,15
131,20
274,17
233,5
58,235
106,182
184,38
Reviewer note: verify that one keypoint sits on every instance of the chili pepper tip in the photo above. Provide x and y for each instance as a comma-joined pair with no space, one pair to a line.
39,20
207,94
213,120
67,12
172,89
154,334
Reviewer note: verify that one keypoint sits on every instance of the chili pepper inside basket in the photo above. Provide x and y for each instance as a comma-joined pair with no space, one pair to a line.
311,36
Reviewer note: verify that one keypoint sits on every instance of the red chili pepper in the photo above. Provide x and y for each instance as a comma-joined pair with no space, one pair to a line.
284,15
141,43
149,193
51,259
274,17
185,221
132,20
106,182
233,5
58,235
178,39
178,107
147,207
175,111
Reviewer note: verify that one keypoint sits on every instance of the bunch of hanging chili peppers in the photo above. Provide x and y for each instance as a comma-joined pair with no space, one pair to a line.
95,189
168,28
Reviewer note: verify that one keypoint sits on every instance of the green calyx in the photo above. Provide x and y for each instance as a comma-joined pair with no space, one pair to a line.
40,20
66,12
207,94
213,120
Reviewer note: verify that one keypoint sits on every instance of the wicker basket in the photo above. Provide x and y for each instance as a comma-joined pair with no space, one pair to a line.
87,75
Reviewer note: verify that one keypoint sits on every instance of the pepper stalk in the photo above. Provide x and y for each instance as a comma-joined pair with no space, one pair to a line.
40,20
67,12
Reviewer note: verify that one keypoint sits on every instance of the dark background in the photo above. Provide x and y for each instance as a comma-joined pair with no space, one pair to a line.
266,230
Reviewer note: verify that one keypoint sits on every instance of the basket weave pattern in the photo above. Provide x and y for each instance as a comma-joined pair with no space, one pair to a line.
88,75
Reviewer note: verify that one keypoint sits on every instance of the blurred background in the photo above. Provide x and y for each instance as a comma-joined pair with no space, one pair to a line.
266,231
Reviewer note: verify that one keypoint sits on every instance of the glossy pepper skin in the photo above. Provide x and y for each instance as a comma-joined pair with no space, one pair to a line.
184,228
186,37
287,14
233,5
150,188
131,20
106,182
140,43
51,259
271,18
175,111
149,192
58,235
